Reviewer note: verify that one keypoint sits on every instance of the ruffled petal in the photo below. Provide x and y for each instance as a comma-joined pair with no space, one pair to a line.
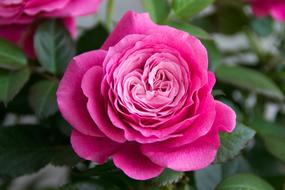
131,23
225,117
91,86
189,157
134,164
96,149
70,98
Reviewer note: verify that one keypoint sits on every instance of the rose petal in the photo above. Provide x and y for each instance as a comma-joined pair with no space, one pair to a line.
33,7
131,23
91,86
70,25
96,149
76,8
193,156
134,164
225,117
70,98
278,12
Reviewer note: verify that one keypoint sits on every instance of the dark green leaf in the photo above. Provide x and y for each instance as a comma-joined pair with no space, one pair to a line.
26,149
273,137
244,182
167,177
209,177
237,165
42,98
187,8
262,26
249,79
92,39
233,143
54,46
11,57
11,82
191,29
158,9
215,57
82,186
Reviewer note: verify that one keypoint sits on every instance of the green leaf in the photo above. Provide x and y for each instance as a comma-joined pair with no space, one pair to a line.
158,9
191,29
92,39
209,177
273,136
26,149
82,186
236,165
233,143
262,26
42,98
215,57
92,185
244,182
11,82
11,57
187,8
54,46
249,79
167,177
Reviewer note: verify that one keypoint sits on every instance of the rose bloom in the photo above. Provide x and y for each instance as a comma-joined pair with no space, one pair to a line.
18,18
276,8
145,100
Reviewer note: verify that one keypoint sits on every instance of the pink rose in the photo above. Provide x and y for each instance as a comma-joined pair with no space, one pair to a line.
17,17
276,8
145,100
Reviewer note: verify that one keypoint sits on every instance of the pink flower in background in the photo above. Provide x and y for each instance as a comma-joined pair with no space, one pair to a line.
145,100
275,8
18,18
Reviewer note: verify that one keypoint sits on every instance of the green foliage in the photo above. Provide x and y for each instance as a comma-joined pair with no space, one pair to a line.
26,149
167,177
42,98
11,82
54,46
249,79
273,136
263,27
187,8
213,174
92,39
244,182
214,55
11,57
233,143
158,9
191,29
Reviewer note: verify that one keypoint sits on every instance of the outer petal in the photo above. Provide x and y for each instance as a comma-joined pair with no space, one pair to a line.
91,85
33,7
194,156
278,12
131,23
135,164
70,25
76,8
71,101
225,117
97,149
21,35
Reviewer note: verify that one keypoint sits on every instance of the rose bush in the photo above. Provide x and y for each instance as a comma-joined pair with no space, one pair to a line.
18,18
145,100
276,8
